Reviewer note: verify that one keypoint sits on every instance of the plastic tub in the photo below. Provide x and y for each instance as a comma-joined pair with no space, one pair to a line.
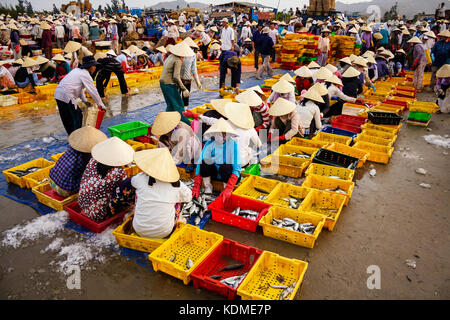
328,171
384,118
332,158
342,132
45,194
321,183
342,148
129,130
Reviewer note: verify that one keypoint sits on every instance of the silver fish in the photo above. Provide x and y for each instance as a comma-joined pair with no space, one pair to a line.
172,257
189,263
278,286
288,291
197,220
335,177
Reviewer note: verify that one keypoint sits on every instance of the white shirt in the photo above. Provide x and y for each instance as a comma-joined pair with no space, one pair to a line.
307,113
246,33
154,212
205,38
273,34
227,36
334,91
71,87
59,32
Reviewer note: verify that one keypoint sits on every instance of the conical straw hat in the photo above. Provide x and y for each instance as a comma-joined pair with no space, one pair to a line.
346,60
85,138
58,57
313,64
28,62
18,61
45,26
330,67
313,94
200,28
133,48
303,72
214,46
220,126
352,57
370,59
321,89
190,42
360,61
415,40
161,49
430,34
256,89
405,32
99,55
157,163
323,73
182,50
401,51
112,53
444,71
282,86
219,105
353,30
72,46
240,115
165,122
113,152
249,97
378,36
41,60
445,33
281,107
288,78
351,72
335,80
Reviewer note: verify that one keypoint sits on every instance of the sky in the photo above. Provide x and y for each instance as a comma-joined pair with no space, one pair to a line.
48,5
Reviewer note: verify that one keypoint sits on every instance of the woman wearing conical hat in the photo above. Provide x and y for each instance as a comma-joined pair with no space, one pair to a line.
105,188
178,137
282,89
65,176
220,159
309,111
352,85
62,66
286,122
158,191
419,62
334,86
443,88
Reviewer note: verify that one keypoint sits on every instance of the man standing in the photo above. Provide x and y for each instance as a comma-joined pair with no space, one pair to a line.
273,33
59,34
114,35
246,31
440,54
227,36
255,38
265,46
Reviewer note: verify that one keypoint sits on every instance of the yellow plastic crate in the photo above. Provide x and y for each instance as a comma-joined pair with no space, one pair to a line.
291,236
296,141
324,204
49,201
354,109
321,183
421,106
373,139
184,175
283,150
377,153
56,157
342,148
389,126
189,242
285,190
330,138
136,145
388,108
127,238
265,271
326,171
36,178
247,188
20,181
380,134
379,127
285,166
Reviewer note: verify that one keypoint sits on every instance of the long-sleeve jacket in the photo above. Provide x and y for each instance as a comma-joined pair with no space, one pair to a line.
419,54
296,124
382,68
441,53
334,91
171,72
352,86
310,111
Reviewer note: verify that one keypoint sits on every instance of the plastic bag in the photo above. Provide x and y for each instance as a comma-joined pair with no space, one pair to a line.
94,117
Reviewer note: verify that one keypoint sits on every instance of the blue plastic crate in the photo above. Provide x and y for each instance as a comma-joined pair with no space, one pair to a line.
342,132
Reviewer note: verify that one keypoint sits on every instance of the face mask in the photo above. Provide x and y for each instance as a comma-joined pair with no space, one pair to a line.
219,138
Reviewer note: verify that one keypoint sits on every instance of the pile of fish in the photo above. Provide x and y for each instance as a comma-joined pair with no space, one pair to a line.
294,202
298,155
337,189
21,173
196,208
293,225
246,213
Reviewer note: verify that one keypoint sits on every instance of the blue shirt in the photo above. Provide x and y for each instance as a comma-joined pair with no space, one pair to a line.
255,38
265,44
226,153
441,53
385,35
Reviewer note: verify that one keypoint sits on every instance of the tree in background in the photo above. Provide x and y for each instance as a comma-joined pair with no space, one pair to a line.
115,6
100,9
29,8
55,9
391,13
20,8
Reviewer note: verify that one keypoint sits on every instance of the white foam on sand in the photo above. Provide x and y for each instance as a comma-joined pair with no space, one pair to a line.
438,140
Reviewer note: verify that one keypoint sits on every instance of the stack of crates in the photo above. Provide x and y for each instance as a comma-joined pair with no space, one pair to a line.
420,113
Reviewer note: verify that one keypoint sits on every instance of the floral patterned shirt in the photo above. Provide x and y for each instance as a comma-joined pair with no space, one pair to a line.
95,192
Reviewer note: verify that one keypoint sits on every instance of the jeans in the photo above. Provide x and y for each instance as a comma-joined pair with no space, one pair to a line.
27,81
264,67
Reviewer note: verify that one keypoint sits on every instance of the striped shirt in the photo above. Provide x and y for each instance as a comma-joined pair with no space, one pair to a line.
264,110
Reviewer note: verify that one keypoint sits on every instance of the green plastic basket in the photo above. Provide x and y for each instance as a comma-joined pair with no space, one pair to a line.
129,130
419,116
254,169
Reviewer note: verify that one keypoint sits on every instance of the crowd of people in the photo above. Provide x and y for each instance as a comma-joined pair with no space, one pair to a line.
218,144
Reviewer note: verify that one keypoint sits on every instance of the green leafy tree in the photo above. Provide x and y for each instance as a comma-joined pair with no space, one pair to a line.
29,8
115,6
391,13
21,6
